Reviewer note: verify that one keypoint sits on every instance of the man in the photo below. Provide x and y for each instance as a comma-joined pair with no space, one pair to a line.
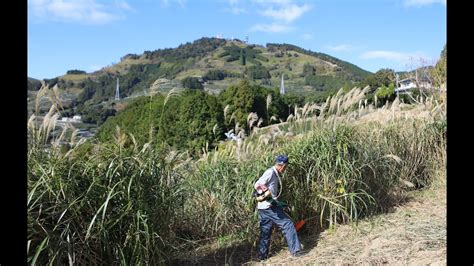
270,212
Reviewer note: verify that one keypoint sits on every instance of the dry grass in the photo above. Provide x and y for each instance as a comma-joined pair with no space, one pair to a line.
411,233
414,234
74,77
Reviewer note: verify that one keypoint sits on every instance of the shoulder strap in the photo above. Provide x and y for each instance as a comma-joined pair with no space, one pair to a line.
280,188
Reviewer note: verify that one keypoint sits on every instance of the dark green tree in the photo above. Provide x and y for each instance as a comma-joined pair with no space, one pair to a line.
258,72
240,98
96,114
383,77
75,72
242,57
198,113
192,83
187,121
244,98
215,74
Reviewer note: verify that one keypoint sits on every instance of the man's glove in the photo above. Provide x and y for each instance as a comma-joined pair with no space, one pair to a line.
262,196
261,193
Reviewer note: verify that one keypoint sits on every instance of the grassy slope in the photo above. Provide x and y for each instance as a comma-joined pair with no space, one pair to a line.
414,233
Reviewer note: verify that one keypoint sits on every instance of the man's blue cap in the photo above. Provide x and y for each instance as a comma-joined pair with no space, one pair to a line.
282,159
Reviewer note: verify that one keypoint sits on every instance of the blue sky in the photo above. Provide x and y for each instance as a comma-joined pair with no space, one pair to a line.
372,34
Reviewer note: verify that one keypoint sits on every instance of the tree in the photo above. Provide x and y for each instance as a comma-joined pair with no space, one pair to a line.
242,57
438,73
192,83
289,101
96,114
244,98
385,94
215,74
381,78
198,113
258,72
240,98
421,73
75,72
184,123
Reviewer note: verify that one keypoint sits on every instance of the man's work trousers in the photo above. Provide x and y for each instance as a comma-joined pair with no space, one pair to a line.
275,214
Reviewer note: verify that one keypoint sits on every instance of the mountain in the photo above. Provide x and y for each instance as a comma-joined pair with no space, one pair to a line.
33,84
216,63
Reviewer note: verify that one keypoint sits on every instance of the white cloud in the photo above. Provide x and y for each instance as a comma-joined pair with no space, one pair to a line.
397,57
122,5
307,36
273,28
273,1
95,67
181,3
387,55
419,3
235,8
282,14
341,48
82,11
286,13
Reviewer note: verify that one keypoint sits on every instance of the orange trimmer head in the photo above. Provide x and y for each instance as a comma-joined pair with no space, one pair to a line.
299,225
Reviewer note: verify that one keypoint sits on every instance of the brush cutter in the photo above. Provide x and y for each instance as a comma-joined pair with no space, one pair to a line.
266,195
299,225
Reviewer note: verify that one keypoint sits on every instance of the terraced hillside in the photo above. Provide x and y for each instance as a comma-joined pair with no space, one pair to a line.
217,63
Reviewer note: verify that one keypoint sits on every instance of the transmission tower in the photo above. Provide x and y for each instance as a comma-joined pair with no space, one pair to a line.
117,91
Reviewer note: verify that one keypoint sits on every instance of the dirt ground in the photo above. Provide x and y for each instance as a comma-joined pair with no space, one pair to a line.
414,233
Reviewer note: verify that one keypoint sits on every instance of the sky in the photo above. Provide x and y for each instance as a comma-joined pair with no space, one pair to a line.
372,34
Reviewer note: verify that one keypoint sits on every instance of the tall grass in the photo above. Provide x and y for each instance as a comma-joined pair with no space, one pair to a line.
108,206
108,203
100,203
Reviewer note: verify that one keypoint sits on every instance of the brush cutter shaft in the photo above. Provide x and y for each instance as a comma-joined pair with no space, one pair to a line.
263,196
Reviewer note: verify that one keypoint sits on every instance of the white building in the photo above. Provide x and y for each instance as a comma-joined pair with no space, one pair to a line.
405,85
408,84
74,119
